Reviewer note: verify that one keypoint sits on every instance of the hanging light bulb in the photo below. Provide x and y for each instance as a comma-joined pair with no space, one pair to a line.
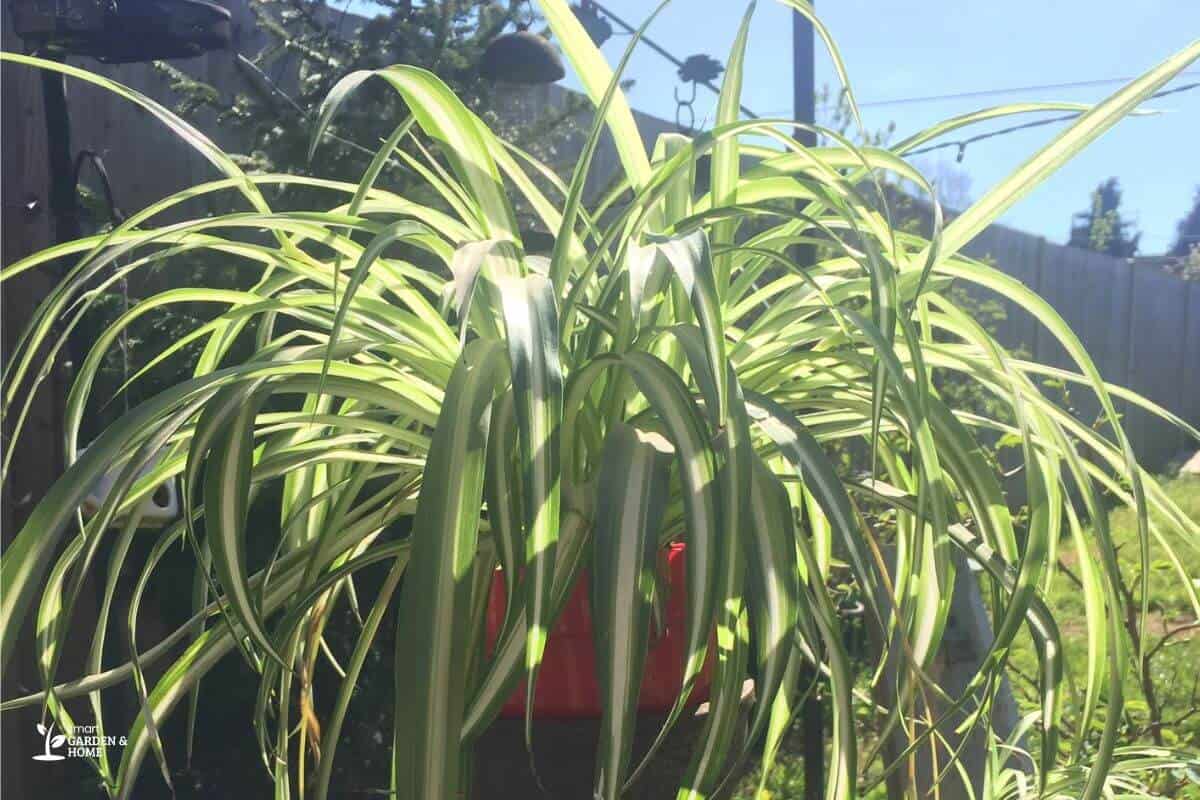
521,57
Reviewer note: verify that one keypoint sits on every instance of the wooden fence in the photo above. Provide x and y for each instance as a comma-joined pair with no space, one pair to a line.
1141,326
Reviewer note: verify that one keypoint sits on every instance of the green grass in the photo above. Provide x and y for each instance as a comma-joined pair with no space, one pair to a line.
1174,666
1167,595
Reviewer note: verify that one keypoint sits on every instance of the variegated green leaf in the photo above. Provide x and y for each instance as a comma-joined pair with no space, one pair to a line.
432,649
531,321
631,498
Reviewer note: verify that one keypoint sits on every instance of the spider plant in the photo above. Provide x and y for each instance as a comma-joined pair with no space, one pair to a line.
426,394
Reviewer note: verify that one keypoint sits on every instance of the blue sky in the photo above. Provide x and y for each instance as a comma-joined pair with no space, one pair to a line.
899,50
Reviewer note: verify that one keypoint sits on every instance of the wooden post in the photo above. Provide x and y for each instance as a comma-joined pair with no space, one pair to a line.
37,459
804,98
967,637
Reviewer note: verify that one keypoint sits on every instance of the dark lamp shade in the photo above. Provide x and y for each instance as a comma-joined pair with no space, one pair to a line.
521,57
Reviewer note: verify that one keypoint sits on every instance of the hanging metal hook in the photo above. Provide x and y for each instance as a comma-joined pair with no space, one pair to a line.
681,105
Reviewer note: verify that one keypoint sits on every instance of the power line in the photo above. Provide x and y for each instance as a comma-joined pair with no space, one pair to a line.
662,51
1011,90
961,144
897,101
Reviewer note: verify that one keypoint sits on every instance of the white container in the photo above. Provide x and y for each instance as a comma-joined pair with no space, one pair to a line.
158,509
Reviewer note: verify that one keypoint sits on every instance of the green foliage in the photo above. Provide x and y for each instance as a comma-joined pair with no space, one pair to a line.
1101,227
409,386
1187,241
1162,691
311,45
1169,675
1187,232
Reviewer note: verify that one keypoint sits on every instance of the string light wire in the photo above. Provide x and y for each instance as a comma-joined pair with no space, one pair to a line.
901,101
961,144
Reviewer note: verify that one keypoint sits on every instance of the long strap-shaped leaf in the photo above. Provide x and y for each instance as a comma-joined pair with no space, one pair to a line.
432,646
193,137
442,116
502,488
362,649
53,628
531,319
671,401
690,257
709,761
596,76
208,649
725,165
26,560
508,659
813,468
566,246
774,587
226,503
632,494
734,483
733,633
398,231
1083,131
1036,169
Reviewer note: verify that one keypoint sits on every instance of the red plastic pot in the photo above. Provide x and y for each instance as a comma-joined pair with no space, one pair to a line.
567,687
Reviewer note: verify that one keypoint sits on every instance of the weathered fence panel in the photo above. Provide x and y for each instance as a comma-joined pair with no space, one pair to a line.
1190,383
1016,255
1156,339
1096,279
1138,324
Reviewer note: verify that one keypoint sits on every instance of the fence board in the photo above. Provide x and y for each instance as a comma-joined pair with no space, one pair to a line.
1048,286
1084,308
1189,407
1020,256
1156,353
1148,342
